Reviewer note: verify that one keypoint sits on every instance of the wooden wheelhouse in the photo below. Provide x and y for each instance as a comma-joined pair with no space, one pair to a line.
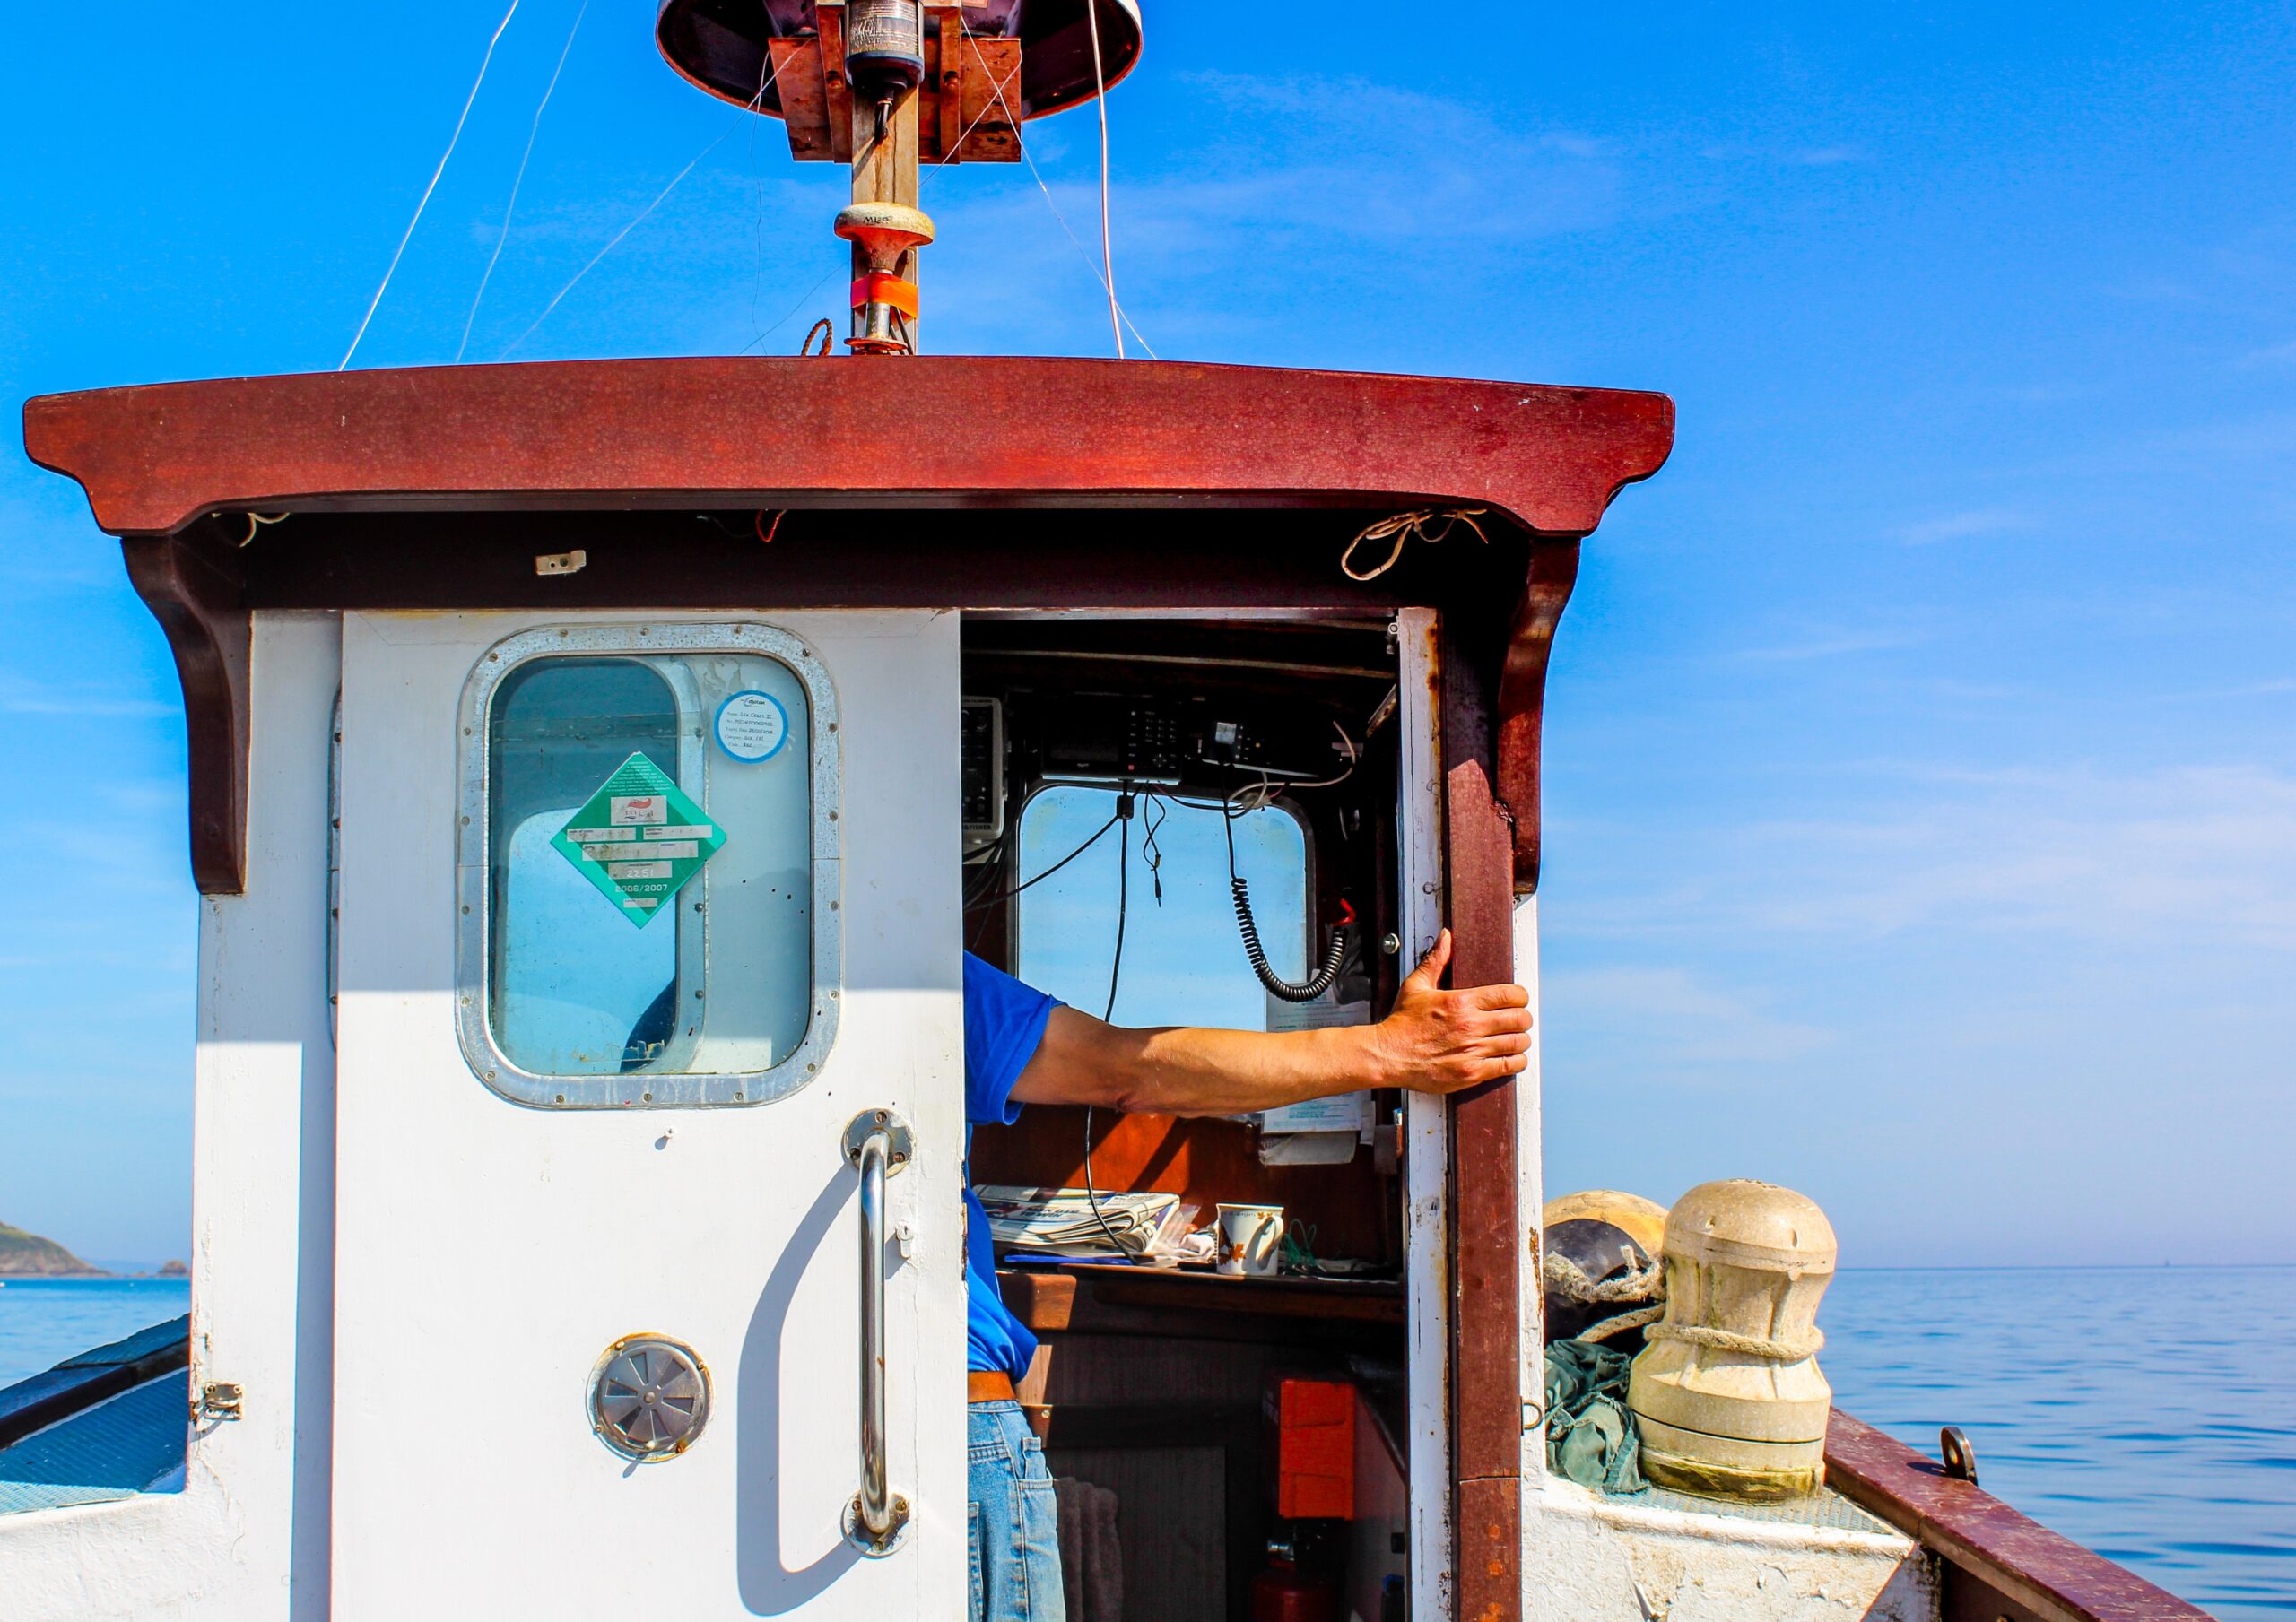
336,560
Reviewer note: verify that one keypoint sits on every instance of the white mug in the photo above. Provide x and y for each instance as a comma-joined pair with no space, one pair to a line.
1251,1239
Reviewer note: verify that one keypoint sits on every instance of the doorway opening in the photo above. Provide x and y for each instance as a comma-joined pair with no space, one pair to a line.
1121,776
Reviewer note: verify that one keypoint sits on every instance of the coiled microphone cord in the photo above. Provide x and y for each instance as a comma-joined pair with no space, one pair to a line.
1278,986
1240,890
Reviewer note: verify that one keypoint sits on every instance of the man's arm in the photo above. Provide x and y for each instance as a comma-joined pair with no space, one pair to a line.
1435,1041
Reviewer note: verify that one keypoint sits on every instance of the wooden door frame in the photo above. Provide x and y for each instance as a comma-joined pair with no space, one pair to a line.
1491,716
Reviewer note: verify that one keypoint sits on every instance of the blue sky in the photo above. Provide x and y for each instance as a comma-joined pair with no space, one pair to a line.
1922,792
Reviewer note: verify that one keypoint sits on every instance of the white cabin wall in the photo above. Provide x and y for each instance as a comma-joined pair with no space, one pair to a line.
263,1132
246,1539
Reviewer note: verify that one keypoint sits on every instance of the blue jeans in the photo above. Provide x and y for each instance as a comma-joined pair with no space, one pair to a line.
1015,1525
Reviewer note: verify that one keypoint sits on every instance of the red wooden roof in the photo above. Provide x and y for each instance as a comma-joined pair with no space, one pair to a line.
983,433
945,431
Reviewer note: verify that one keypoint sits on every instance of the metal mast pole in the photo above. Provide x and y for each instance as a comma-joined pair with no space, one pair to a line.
882,40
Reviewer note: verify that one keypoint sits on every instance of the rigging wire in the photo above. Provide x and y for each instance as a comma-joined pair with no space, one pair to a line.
1059,217
512,208
1100,102
468,101
804,299
948,157
611,243
757,168
659,198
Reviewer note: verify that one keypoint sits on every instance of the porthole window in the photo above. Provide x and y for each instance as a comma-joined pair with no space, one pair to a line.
647,866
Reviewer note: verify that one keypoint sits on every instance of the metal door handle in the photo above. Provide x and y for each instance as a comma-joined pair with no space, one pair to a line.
878,1145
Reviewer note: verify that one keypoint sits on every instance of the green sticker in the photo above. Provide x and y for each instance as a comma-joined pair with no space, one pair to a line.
639,839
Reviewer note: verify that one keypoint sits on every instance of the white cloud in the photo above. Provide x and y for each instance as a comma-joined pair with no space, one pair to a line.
20,696
1649,1020
2178,865
2043,393
2189,858
2268,688
1800,157
1360,183
1961,525
1835,643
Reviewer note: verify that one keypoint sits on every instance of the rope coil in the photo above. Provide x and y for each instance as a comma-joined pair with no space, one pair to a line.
1560,1276
1565,1277
1745,1346
1595,1334
1405,527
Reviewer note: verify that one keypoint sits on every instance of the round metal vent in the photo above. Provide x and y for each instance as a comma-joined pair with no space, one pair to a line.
649,1397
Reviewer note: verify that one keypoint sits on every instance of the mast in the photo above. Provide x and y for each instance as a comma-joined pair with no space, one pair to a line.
889,86
885,66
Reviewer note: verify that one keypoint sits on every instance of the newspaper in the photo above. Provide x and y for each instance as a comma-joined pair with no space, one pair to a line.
1059,1221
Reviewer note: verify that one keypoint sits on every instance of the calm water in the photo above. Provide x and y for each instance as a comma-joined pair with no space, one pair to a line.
2149,1413
44,1320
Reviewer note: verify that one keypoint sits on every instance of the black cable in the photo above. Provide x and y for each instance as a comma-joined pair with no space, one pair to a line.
1116,969
983,874
1277,986
1123,898
1055,867
976,919
1150,852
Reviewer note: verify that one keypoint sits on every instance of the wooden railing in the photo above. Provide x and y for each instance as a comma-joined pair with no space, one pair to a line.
1998,1566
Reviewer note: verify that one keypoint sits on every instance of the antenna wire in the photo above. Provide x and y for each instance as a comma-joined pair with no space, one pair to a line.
1101,103
468,101
511,207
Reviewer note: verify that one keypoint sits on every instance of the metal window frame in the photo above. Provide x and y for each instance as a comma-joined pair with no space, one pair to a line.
474,988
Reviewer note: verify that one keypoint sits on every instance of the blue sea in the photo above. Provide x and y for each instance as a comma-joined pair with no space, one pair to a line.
2147,1412
44,1320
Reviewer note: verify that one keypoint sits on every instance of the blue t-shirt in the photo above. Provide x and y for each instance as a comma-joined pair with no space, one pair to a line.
1005,1022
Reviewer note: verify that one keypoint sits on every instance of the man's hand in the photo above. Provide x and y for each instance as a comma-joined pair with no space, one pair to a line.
1438,1041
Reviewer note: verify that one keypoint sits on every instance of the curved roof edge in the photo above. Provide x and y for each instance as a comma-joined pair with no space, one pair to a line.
935,430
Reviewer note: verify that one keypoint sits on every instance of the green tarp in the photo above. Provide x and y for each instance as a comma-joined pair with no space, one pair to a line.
1590,1436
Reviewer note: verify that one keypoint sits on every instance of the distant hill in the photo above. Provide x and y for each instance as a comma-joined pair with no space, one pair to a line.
23,1254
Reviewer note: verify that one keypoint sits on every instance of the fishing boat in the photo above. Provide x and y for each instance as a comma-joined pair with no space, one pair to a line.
598,771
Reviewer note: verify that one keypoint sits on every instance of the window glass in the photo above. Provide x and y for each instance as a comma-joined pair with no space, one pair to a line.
649,865
1184,960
